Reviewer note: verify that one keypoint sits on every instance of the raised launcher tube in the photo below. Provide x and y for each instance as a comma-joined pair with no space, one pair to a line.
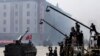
50,7
47,10
18,41
41,22
23,35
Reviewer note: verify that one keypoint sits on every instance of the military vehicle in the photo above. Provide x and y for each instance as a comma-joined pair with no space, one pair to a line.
67,48
20,49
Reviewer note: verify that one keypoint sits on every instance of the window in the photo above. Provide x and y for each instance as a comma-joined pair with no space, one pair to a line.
28,21
4,7
16,21
4,21
4,29
28,13
16,13
28,5
4,14
16,6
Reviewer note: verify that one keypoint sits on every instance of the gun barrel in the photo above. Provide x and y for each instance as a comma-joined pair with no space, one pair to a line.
53,27
23,35
67,16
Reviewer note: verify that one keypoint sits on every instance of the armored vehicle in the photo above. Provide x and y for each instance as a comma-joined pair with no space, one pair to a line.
75,46
20,49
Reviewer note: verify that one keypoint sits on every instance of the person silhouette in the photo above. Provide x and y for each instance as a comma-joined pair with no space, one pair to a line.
73,36
77,27
61,48
81,38
50,51
93,28
55,52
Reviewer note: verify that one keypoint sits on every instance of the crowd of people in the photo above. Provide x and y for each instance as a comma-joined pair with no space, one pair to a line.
52,52
75,39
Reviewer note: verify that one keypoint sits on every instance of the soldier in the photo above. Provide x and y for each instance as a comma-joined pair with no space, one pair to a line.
67,41
72,36
93,28
61,48
50,51
30,42
55,52
79,35
77,27
80,39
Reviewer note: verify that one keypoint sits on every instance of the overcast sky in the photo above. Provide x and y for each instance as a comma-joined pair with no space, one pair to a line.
86,11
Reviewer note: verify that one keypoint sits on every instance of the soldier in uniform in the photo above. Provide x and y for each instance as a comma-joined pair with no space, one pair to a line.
55,52
97,36
61,48
73,36
77,27
79,38
50,51
93,28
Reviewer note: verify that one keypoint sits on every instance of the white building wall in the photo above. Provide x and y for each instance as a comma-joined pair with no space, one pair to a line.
4,17
15,15
30,16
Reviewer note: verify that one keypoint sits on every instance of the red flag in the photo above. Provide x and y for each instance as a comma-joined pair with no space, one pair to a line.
29,37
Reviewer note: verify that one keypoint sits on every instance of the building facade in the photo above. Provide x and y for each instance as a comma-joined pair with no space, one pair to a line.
16,16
